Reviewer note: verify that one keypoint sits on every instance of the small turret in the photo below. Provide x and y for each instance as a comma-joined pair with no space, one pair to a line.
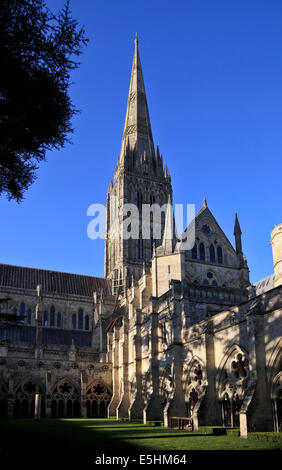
166,172
276,242
237,234
169,236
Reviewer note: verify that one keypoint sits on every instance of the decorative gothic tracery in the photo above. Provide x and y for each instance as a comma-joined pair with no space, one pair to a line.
233,384
25,398
65,400
195,384
98,397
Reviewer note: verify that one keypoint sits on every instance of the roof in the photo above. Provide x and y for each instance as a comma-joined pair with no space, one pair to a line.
264,284
52,281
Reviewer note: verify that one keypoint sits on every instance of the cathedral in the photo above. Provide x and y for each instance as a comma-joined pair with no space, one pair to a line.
168,332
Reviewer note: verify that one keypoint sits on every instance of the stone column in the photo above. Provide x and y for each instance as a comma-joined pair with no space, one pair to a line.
83,385
212,417
11,398
37,407
195,421
177,407
262,414
137,405
114,337
48,394
153,408
123,406
243,425
38,323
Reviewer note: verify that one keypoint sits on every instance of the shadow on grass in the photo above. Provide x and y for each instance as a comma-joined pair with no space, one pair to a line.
57,442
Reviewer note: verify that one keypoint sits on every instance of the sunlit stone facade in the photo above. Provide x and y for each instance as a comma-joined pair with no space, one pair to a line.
169,332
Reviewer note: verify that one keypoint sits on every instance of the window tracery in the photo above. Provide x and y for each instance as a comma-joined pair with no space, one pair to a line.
25,399
65,400
234,379
98,397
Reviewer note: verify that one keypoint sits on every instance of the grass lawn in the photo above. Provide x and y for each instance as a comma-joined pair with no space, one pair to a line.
81,440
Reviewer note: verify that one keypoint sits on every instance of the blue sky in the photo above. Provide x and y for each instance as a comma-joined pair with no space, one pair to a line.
213,74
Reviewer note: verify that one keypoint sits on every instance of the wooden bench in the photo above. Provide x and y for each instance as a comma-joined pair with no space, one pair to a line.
181,420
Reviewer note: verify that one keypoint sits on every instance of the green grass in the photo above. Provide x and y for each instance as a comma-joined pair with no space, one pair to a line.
82,439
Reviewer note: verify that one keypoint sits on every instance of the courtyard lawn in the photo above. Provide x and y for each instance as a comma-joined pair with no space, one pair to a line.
81,440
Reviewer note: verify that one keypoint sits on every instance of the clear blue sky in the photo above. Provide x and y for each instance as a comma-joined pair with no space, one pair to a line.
213,76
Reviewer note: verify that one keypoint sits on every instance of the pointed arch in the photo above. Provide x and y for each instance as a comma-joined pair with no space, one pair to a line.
98,398
29,316
22,310
45,318
194,252
219,255
212,254
24,394
202,254
232,365
52,316
80,319
194,362
275,360
86,322
195,384
65,398
59,320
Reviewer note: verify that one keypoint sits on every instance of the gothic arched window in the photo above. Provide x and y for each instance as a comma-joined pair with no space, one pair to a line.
22,312
98,397
212,254
59,320
80,319
194,252
65,400
29,316
52,316
219,255
202,252
22,309
139,200
206,282
73,321
152,199
45,318
87,322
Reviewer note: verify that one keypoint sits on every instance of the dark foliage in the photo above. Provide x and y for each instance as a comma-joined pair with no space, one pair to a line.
38,50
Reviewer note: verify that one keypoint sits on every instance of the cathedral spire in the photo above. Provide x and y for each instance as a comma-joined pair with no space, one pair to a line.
137,127
237,234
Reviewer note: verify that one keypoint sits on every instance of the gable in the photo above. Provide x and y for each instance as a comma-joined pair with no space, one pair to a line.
209,232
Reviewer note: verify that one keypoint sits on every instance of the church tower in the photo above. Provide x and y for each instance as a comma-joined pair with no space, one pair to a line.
139,178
